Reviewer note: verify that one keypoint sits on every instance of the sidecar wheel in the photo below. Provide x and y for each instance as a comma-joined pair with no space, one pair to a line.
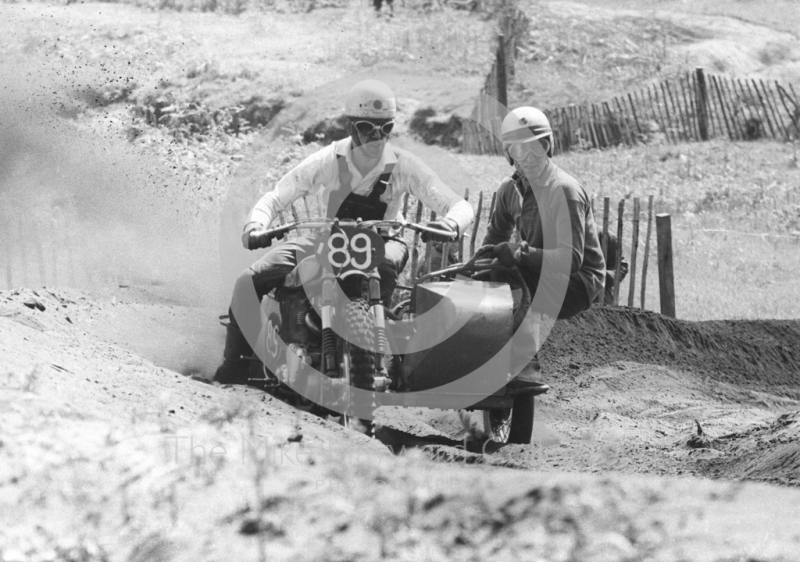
511,425
522,420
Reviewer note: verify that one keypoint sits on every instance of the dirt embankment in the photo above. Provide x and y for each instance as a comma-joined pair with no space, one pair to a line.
756,354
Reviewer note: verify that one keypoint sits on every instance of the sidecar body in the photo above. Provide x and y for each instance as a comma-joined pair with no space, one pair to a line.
458,346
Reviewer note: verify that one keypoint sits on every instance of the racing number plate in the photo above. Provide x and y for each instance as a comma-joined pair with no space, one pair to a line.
350,248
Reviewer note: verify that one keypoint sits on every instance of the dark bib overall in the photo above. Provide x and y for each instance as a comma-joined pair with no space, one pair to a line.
344,204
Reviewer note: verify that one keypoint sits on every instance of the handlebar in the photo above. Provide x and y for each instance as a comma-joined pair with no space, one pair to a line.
320,223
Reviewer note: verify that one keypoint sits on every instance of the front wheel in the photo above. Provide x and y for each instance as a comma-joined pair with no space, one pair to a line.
360,327
511,425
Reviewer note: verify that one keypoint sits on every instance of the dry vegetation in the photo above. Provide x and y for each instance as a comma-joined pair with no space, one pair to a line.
568,59
776,14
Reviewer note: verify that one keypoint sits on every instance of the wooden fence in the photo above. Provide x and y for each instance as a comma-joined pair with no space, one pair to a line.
69,261
695,106
430,257
481,133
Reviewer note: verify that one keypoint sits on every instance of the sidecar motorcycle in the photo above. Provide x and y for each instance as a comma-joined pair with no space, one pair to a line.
326,332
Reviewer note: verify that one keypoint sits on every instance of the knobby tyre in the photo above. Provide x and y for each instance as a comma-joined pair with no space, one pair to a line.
360,327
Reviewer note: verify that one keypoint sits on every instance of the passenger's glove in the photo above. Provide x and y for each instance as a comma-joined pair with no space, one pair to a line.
505,254
528,257
255,236
446,225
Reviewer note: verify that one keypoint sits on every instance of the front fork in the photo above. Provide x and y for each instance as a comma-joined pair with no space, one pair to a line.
382,346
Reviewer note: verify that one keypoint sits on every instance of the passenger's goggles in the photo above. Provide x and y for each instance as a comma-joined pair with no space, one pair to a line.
367,128
521,151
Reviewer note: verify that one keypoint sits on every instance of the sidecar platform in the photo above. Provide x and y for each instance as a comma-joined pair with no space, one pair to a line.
452,401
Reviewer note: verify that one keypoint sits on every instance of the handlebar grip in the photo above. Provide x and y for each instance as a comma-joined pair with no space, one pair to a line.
279,231
447,234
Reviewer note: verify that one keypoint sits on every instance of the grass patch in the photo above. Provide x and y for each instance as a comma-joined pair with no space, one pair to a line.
593,58
782,15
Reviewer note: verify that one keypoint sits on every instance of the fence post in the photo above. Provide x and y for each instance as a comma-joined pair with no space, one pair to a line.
657,112
475,225
634,248
646,248
792,114
668,101
461,238
406,197
606,211
733,99
721,105
39,255
760,100
617,269
6,230
635,117
429,248
502,88
22,250
666,281
415,245
702,103
773,106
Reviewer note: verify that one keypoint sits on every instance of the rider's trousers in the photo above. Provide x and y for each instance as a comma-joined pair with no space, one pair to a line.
269,272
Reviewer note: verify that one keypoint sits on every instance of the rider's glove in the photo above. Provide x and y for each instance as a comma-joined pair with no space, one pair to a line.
444,224
255,236
505,254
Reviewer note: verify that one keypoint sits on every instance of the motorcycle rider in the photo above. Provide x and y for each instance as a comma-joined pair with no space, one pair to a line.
361,176
559,255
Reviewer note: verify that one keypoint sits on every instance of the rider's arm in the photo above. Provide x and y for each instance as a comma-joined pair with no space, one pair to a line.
418,178
304,179
501,223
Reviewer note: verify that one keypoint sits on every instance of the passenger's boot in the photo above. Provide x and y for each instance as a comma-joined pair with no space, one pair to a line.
528,378
235,367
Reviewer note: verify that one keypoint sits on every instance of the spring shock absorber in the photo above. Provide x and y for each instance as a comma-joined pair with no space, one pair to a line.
329,362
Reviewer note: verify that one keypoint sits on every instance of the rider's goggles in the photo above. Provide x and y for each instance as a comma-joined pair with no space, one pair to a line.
367,128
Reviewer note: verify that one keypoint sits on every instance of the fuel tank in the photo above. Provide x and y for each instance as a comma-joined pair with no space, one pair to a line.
474,321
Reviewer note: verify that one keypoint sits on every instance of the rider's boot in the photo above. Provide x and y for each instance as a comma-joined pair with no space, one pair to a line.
235,367
528,378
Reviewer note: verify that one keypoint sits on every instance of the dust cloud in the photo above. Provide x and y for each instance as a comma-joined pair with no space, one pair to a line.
82,207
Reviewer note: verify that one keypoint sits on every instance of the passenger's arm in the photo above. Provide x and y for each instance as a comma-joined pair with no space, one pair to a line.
501,223
567,208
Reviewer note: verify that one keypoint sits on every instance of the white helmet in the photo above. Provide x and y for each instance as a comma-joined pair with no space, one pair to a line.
371,99
526,124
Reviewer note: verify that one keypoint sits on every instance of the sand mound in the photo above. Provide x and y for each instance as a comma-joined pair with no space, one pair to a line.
757,354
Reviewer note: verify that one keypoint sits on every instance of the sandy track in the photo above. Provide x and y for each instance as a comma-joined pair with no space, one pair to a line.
100,438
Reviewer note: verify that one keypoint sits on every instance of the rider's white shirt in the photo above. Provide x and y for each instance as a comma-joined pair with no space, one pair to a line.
318,175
